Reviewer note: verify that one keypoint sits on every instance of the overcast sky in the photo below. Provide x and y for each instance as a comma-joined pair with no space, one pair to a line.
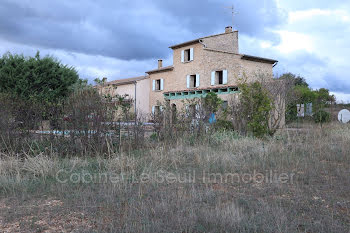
123,38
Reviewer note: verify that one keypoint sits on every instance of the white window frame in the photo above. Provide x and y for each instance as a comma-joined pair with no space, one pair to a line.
190,54
224,77
189,82
161,84
157,106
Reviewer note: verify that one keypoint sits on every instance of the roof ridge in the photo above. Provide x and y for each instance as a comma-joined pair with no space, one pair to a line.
123,80
197,40
160,69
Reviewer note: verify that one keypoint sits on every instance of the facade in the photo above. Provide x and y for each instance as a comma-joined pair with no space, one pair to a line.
135,89
208,64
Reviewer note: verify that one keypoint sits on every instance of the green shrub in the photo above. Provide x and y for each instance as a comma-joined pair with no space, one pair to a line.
224,125
322,116
154,137
256,107
212,102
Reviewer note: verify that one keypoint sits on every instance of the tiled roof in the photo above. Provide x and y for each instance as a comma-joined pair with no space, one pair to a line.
260,59
245,56
166,68
126,80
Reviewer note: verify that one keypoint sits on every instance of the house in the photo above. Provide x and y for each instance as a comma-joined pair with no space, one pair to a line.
134,89
203,65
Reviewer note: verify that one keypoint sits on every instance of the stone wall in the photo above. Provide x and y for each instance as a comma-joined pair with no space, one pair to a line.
205,61
225,42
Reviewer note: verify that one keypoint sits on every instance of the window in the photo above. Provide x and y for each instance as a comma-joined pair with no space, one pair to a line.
193,111
156,110
158,85
224,104
193,81
219,77
187,55
173,113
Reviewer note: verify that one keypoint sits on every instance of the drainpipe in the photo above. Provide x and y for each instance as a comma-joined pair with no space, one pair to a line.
275,64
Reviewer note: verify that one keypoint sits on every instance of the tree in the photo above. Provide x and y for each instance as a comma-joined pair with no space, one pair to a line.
37,79
298,80
303,94
324,97
256,106
212,102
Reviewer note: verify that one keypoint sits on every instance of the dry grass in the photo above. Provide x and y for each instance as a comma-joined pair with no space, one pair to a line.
316,199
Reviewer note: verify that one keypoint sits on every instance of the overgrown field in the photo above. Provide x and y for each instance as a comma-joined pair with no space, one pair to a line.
297,181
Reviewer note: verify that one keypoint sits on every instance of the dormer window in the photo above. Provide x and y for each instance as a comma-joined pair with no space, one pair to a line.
187,55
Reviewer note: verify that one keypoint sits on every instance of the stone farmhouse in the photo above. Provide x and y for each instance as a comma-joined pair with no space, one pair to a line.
207,64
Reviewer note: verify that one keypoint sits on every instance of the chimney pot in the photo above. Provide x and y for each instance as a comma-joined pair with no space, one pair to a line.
160,63
228,29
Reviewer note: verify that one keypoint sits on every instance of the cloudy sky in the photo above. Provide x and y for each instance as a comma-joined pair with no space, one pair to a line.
123,38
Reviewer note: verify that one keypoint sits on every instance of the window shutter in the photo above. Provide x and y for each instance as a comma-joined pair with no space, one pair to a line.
191,54
162,84
188,81
224,77
197,111
154,85
197,80
153,109
182,56
213,78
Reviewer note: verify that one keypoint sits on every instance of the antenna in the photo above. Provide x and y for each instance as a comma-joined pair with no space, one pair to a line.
232,9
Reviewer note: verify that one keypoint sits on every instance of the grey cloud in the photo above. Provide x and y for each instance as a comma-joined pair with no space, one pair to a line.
124,29
122,38
303,58
336,83
317,71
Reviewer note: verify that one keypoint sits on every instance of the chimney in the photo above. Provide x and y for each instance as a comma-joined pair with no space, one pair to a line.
160,63
228,29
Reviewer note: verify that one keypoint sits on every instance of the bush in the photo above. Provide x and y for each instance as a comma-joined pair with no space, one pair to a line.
322,116
42,80
256,107
224,125
212,102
